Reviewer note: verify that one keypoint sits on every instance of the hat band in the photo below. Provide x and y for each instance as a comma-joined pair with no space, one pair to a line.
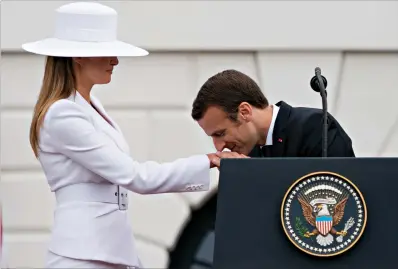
86,35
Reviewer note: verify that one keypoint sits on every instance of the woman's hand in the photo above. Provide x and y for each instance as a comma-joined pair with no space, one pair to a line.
215,158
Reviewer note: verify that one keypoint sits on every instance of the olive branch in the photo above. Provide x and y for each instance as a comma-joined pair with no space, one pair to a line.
301,229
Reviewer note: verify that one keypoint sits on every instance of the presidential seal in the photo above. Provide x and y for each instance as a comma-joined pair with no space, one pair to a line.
323,214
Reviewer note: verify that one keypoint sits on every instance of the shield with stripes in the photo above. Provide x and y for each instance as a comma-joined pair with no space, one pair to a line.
324,224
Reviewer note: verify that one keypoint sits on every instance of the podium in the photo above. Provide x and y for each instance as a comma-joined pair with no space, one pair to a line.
307,213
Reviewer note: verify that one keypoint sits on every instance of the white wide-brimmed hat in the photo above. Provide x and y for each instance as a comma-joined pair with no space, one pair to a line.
84,29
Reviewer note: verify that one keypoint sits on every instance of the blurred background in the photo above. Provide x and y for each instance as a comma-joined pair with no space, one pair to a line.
278,44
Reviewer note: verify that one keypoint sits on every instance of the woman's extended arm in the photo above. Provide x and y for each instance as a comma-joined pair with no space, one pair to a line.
71,133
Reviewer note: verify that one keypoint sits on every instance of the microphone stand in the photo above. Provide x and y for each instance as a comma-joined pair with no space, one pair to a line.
319,83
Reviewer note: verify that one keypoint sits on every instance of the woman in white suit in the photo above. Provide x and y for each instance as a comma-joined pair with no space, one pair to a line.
82,151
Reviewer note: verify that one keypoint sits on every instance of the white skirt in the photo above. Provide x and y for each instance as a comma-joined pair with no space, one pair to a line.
56,261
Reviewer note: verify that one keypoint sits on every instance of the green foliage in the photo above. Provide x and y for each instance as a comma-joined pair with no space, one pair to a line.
300,228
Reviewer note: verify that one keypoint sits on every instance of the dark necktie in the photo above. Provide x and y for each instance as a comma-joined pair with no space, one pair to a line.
266,150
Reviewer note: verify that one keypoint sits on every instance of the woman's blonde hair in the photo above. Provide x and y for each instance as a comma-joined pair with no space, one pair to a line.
59,82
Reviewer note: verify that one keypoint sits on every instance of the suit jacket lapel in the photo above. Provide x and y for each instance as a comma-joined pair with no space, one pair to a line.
279,133
256,152
113,132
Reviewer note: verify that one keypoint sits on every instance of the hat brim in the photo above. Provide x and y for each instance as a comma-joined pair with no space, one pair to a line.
65,48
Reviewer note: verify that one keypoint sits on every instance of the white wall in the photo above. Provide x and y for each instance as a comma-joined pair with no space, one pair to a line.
232,25
150,97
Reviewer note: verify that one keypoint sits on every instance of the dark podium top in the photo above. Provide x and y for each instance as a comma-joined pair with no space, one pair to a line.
249,230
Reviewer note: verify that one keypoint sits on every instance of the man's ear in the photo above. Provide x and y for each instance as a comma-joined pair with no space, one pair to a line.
245,111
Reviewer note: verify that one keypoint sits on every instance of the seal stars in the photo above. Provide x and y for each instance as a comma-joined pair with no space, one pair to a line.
323,214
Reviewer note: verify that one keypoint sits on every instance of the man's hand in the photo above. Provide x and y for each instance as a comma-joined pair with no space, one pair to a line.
226,155
215,158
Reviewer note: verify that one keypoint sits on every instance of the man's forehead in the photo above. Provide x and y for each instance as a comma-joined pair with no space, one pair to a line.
215,112
214,120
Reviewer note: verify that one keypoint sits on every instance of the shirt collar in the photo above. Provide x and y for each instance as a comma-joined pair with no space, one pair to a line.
271,127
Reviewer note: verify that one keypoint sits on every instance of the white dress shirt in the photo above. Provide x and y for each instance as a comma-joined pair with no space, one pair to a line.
272,125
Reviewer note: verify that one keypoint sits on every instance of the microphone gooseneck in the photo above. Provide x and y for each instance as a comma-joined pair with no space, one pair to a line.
319,83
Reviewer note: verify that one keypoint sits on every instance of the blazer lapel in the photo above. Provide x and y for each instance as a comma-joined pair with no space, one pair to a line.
279,135
112,131
101,109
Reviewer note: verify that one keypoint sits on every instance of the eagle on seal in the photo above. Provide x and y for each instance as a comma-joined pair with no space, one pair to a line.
317,214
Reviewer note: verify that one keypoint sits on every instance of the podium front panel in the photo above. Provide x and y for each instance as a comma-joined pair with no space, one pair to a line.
249,231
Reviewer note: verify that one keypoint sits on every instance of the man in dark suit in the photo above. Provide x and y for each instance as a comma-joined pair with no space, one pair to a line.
231,108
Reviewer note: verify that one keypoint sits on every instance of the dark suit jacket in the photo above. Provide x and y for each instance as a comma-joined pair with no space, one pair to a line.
298,133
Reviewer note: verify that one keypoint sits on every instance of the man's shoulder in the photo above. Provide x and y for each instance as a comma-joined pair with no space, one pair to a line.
307,113
307,119
301,114
305,126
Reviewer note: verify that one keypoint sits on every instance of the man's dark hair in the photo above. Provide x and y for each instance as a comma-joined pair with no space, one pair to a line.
227,90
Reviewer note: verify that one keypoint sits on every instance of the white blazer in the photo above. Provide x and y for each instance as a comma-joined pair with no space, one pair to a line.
85,159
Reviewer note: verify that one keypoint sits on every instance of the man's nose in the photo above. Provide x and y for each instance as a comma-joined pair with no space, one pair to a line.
218,144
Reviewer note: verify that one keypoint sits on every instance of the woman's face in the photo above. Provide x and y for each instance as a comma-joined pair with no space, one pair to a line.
95,70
